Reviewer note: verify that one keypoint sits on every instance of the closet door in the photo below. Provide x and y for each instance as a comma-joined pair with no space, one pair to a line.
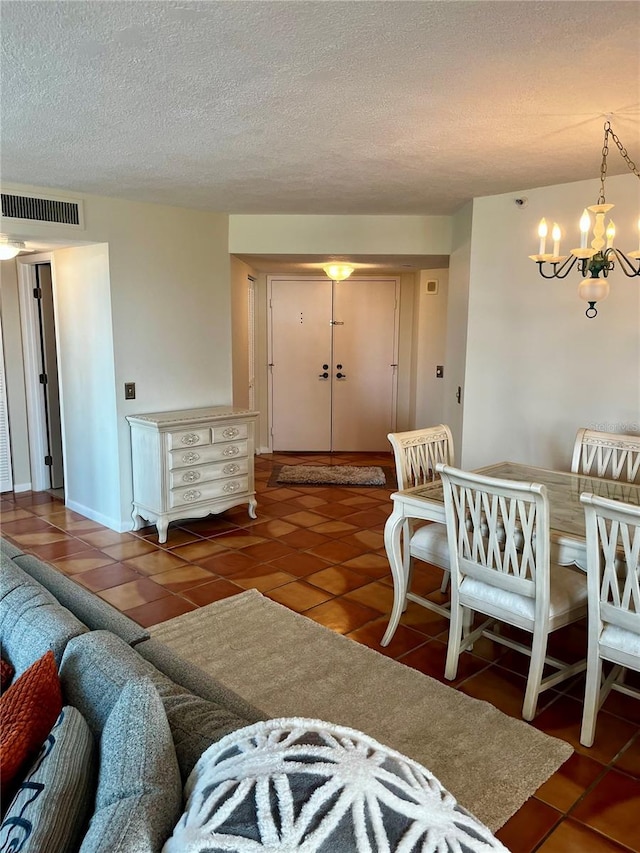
364,364
300,364
333,361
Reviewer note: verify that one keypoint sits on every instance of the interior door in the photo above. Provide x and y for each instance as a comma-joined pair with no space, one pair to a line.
301,364
364,364
49,375
333,354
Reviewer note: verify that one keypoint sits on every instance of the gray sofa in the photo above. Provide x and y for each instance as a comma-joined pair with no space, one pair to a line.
136,719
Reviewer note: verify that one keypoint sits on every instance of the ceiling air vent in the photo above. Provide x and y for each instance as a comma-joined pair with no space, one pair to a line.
40,209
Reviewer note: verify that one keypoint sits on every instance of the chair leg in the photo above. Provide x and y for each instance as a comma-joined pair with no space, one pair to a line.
455,639
407,559
591,698
446,577
538,654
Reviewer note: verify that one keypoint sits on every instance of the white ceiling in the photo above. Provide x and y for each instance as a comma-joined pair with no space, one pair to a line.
315,107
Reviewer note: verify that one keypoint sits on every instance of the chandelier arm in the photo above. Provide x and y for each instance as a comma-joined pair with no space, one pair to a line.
626,264
558,272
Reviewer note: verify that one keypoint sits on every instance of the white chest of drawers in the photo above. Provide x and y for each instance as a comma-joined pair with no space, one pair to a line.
187,464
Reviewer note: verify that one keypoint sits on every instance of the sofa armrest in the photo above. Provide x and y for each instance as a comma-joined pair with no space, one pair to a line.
96,613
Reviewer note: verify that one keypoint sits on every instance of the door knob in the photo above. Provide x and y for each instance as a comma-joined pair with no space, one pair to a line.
340,376
324,375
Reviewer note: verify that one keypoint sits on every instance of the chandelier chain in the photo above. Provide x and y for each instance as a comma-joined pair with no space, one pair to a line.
605,151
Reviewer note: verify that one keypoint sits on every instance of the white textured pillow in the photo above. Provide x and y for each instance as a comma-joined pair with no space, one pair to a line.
307,785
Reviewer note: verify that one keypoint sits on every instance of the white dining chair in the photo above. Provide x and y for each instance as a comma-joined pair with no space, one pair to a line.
416,454
613,579
606,454
500,567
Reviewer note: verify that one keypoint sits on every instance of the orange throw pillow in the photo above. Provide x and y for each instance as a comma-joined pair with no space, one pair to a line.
28,711
6,674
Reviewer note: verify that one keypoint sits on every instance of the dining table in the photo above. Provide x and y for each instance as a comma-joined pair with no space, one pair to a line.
566,517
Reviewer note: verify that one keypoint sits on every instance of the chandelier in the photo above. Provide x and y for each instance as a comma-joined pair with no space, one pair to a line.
599,258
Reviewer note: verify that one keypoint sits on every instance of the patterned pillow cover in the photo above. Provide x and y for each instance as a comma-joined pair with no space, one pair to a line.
50,811
307,785
28,711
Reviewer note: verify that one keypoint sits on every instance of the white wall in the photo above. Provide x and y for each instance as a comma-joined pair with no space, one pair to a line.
14,364
430,312
240,273
536,368
457,307
86,377
169,287
327,235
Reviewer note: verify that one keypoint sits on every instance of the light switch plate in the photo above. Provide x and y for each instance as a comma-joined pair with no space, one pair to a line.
129,390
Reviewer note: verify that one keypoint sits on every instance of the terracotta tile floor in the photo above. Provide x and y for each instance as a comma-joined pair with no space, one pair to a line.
320,551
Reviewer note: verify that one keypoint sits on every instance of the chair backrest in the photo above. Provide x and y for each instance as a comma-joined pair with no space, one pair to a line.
417,453
498,532
607,454
613,562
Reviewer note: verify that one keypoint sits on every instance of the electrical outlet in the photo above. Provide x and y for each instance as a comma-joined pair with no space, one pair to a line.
439,371
129,390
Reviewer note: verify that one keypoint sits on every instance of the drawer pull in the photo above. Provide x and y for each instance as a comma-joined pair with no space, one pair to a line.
190,458
231,468
191,495
190,438
191,476
230,432
232,450
233,486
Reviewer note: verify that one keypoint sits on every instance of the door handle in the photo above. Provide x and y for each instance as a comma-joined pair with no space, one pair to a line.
340,376
324,375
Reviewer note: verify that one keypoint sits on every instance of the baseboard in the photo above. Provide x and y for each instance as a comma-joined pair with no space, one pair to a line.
22,487
266,449
112,523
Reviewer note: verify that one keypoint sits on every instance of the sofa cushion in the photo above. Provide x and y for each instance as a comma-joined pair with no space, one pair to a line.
95,613
293,784
139,793
95,669
51,809
31,620
195,680
28,711
8,549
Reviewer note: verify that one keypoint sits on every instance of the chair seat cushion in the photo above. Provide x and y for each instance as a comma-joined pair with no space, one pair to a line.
568,593
620,639
430,543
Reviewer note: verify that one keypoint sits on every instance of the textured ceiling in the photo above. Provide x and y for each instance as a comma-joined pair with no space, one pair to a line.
315,107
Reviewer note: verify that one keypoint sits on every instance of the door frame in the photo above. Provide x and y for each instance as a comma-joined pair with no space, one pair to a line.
396,339
36,415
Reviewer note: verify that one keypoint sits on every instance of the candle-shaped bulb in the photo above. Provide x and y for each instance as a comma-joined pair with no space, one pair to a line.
611,233
585,227
556,234
542,234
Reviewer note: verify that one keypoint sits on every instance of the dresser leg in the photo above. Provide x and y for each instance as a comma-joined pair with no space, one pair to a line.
162,524
253,503
137,520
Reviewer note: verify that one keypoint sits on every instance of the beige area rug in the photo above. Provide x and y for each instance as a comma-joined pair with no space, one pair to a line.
288,666
331,475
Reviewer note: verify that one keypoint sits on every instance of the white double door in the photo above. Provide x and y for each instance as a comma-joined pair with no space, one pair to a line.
333,363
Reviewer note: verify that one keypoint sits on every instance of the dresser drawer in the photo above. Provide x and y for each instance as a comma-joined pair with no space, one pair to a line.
218,489
210,453
230,432
189,438
183,477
